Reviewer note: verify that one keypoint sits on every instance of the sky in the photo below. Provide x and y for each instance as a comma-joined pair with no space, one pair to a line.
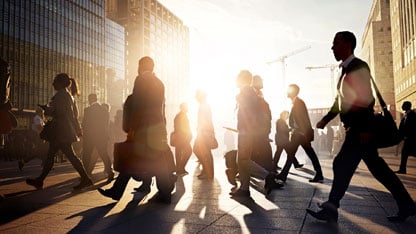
227,36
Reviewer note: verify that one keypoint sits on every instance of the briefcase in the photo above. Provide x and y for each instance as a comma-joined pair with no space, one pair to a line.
129,157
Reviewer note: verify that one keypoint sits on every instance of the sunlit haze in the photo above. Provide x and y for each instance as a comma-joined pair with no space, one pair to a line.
228,36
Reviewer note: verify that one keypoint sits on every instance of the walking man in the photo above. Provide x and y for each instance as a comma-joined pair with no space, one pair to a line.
354,104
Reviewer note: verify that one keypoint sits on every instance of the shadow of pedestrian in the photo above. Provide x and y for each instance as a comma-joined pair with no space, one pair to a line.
90,218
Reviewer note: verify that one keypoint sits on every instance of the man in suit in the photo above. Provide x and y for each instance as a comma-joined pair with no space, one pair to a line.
95,124
354,104
262,151
407,129
145,122
248,129
281,139
302,135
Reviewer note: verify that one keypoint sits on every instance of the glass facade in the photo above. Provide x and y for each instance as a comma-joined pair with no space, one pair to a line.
40,38
114,63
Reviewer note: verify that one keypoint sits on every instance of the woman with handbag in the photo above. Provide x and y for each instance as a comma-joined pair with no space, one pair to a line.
205,139
65,131
181,139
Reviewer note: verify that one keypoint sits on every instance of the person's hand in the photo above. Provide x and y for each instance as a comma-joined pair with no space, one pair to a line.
321,124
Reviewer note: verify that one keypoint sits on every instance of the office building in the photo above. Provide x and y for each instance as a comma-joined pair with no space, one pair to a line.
377,50
41,38
403,30
152,30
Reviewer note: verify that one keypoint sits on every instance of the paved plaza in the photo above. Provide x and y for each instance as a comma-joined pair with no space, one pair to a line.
198,206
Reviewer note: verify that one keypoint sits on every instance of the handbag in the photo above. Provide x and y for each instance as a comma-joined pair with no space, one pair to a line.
385,131
48,132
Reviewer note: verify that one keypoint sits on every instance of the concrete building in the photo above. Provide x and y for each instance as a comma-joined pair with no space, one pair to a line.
42,38
377,50
152,30
403,30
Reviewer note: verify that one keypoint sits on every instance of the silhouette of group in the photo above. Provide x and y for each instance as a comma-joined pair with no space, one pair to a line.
143,150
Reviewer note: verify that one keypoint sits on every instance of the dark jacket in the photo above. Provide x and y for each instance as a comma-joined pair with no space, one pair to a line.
61,109
95,122
407,126
282,132
248,109
299,119
144,112
182,129
352,114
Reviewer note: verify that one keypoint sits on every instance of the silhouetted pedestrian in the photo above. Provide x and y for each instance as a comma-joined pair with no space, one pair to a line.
302,135
36,147
407,129
205,137
262,151
95,128
248,127
355,105
144,120
65,132
282,140
183,137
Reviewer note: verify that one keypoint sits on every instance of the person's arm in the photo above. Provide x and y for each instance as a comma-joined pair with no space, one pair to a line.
332,113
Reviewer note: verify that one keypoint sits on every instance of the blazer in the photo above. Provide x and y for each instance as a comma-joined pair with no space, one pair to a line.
144,112
282,132
299,119
355,101
95,122
407,126
61,109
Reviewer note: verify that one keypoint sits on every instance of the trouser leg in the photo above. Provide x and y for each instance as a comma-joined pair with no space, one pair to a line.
102,150
344,166
76,163
312,155
49,161
382,172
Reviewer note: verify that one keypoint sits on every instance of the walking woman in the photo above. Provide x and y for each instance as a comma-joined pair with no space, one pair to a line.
64,132
205,139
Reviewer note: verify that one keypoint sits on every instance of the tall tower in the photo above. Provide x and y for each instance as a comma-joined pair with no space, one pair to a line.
152,30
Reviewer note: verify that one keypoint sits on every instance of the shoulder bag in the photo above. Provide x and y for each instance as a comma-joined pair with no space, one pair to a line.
385,130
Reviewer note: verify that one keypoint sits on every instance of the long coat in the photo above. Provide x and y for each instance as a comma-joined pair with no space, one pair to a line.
61,109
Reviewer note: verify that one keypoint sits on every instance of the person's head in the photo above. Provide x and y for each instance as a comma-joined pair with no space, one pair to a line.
406,106
146,64
244,78
92,97
257,82
73,88
292,91
183,107
343,45
284,115
200,96
61,81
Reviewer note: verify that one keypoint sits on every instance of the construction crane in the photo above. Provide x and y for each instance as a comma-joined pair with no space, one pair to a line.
282,60
332,68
